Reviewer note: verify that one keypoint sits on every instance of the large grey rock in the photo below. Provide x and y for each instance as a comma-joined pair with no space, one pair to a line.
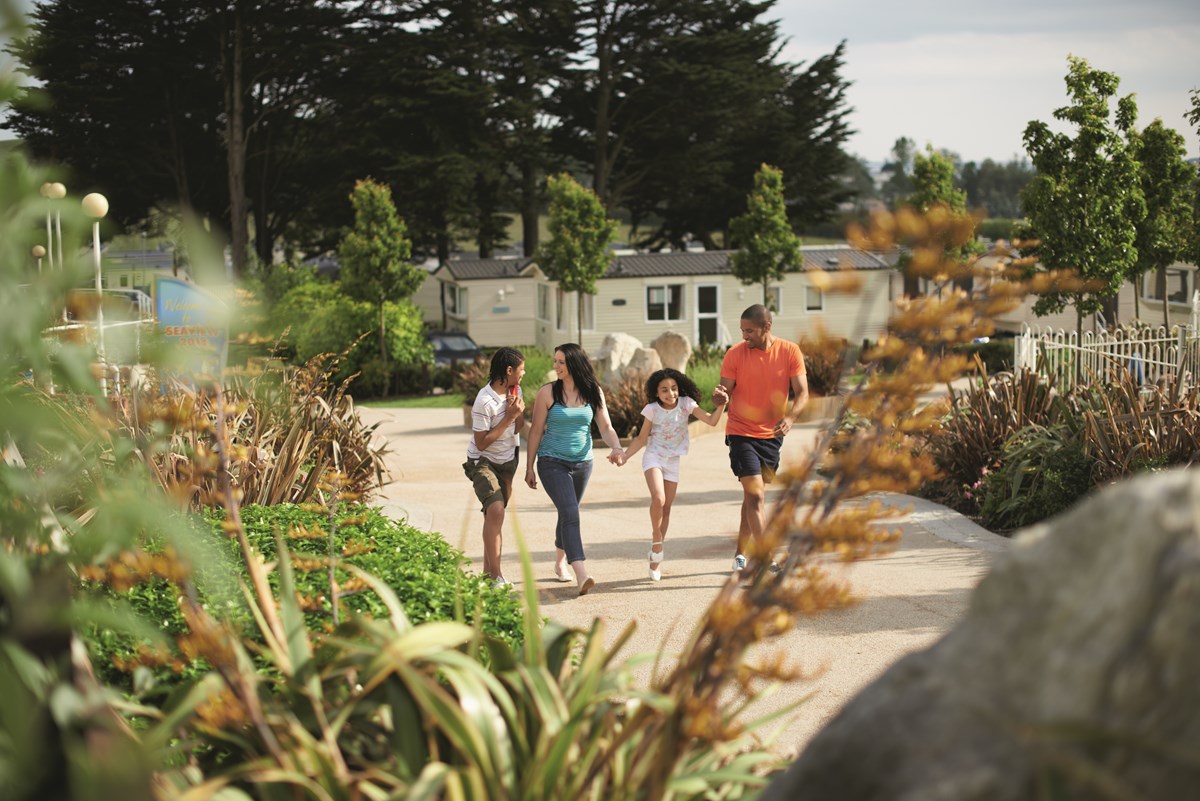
674,349
615,353
1079,657
644,362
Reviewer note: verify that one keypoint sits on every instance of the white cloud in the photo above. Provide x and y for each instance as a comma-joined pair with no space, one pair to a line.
974,92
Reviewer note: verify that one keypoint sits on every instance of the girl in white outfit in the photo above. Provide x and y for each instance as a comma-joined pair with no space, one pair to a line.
672,400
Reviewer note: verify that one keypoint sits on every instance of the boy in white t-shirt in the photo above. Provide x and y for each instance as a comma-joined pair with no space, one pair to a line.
497,420
672,400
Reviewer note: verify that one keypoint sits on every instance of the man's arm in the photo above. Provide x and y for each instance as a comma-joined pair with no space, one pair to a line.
799,399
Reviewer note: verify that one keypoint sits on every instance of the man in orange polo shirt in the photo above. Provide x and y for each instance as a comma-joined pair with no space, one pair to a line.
758,373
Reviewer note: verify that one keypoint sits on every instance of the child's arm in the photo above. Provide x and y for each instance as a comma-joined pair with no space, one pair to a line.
639,442
713,417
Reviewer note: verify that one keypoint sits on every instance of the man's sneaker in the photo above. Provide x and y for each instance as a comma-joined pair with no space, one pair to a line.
500,582
739,563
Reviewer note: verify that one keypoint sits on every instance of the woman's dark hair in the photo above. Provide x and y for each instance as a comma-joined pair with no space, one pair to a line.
687,387
503,359
582,374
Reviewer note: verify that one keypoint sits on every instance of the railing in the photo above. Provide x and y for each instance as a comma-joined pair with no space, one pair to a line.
1151,355
122,362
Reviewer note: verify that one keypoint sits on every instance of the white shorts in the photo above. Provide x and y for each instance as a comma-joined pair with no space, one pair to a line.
668,464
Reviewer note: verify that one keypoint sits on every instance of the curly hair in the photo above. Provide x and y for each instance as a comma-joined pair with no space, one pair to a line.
687,387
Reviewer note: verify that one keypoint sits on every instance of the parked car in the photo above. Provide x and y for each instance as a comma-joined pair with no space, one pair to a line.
450,347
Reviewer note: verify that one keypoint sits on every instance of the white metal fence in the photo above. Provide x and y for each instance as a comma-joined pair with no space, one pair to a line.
1150,355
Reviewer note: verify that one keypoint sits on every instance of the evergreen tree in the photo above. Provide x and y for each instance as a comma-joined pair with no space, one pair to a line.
535,43
576,254
176,105
375,254
1085,202
766,244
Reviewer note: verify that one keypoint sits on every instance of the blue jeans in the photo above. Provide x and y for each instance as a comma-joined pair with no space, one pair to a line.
565,483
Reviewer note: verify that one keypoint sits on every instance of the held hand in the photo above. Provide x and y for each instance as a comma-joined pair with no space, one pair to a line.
617,458
719,395
516,407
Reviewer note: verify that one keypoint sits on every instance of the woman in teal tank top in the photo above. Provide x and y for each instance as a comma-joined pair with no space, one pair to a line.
560,450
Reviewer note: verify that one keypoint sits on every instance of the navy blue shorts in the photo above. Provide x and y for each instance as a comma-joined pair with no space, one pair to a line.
748,456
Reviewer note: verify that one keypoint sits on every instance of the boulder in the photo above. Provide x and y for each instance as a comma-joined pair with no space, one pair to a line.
614,354
644,362
1075,668
674,349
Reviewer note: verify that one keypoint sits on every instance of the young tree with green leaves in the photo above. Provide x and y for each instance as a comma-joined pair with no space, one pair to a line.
766,244
1192,115
375,254
1164,236
933,186
1085,202
576,254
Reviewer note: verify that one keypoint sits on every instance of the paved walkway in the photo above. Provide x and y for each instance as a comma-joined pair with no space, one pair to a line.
908,598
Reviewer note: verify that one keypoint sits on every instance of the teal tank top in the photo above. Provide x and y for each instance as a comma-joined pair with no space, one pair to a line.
568,433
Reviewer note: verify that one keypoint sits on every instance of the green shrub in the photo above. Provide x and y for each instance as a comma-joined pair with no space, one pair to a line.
996,354
421,568
996,228
1042,471
323,319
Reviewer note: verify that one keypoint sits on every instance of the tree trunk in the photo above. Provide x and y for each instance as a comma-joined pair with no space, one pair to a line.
602,168
1161,280
1075,354
579,315
530,208
235,136
383,337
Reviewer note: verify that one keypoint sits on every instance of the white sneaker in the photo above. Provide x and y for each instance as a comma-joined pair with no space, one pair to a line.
656,558
739,563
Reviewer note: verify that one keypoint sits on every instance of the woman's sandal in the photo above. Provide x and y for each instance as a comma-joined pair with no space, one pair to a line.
656,572
587,584
562,575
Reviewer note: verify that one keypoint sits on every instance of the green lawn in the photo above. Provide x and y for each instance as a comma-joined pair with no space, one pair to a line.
451,400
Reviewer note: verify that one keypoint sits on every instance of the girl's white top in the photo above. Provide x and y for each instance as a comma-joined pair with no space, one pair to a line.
487,412
669,433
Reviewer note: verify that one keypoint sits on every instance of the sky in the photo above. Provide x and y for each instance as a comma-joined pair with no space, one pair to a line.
968,76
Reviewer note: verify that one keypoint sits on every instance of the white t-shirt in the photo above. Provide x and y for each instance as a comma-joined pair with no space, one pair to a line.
669,434
489,410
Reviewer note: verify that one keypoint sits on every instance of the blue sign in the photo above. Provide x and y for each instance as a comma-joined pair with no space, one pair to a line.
196,322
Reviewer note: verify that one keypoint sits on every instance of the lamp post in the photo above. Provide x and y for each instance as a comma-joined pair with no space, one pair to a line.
95,206
58,192
38,253
46,190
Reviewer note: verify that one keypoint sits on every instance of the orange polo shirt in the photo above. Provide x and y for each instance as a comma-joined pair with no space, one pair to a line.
764,377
